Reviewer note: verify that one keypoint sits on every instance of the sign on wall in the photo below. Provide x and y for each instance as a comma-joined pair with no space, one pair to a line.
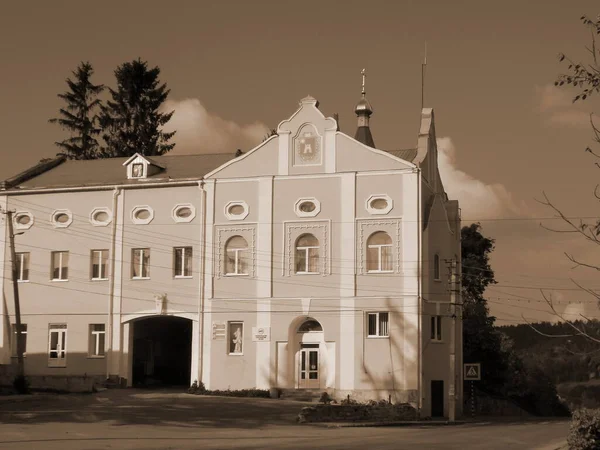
218,331
472,372
261,334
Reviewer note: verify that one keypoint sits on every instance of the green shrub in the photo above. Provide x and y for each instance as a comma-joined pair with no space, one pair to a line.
198,388
584,433
21,384
325,398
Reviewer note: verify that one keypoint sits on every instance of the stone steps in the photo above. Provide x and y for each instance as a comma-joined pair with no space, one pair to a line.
302,395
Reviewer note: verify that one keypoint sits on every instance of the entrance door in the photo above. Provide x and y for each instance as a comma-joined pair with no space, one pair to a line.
437,398
309,367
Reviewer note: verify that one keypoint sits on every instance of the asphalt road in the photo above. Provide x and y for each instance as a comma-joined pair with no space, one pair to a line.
133,419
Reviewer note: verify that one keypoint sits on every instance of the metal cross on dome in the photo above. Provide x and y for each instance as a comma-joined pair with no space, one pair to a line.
364,77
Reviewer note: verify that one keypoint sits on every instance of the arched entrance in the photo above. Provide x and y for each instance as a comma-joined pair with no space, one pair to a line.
162,351
310,341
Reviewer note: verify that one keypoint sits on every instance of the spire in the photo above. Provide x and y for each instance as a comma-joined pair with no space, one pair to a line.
363,111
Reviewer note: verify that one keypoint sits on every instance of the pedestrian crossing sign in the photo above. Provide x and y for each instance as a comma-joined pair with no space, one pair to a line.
472,372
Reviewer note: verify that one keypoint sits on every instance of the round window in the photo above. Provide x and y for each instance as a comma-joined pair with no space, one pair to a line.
23,219
184,212
101,216
379,203
236,210
142,214
307,207
61,218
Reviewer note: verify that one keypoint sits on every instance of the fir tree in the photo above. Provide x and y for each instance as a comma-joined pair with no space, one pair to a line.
131,121
78,116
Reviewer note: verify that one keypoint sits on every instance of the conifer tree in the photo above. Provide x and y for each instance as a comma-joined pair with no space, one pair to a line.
79,116
131,121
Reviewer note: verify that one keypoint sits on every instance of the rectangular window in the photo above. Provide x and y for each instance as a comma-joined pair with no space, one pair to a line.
378,324
60,266
13,342
23,266
97,340
140,263
99,264
182,267
236,338
436,328
436,267
57,345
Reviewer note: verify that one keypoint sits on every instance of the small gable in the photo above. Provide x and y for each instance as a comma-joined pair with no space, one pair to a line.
141,167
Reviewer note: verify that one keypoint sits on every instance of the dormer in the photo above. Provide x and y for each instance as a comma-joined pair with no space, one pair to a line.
140,167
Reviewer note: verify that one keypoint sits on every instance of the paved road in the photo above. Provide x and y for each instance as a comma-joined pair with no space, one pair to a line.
133,419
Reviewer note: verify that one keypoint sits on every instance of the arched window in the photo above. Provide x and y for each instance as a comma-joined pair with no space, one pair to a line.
436,267
379,252
310,325
236,256
307,254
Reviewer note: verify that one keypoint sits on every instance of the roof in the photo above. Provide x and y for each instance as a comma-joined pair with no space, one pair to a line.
407,154
364,136
110,171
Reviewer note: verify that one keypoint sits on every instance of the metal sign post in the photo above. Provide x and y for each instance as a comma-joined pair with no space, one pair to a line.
472,373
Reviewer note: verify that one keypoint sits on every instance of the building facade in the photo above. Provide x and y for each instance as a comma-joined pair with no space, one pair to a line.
313,261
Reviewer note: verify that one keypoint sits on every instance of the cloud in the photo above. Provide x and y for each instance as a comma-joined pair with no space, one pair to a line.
557,107
199,131
478,200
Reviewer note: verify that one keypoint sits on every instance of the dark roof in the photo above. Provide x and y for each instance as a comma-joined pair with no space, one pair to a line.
364,136
408,154
110,171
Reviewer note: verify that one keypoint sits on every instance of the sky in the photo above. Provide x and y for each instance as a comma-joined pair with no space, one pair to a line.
237,68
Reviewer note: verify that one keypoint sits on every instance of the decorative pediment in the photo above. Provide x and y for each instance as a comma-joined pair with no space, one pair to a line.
141,167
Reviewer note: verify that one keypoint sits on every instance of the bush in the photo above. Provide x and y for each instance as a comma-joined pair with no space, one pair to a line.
21,384
584,433
325,398
198,388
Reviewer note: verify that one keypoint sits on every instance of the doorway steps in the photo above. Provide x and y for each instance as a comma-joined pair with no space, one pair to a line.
302,395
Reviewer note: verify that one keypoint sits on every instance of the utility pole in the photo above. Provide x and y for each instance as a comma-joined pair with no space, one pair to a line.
452,371
15,277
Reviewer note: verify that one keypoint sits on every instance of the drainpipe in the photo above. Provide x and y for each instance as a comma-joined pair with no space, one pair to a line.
201,184
111,292
419,292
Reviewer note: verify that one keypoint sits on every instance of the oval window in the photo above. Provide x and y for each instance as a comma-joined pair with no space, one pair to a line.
236,210
307,207
142,214
379,203
23,219
101,216
61,218
184,212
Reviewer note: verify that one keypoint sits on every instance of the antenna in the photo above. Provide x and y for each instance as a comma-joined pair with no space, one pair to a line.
423,66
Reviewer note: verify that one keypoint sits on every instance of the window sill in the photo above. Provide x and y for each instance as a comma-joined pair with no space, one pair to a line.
183,277
437,280
378,337
22,281
140,278
307,273
236,274
99,279
235,354
371,272
15,356
436,341
58,280
96,357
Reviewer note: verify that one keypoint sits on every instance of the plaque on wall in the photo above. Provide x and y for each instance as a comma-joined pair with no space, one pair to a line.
307,147
218,331
261,334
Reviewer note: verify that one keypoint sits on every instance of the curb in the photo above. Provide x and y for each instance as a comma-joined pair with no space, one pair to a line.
383,424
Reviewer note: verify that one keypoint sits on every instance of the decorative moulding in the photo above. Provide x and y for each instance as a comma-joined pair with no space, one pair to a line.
20,221
307,207
183,212
292,230
61,218
366,227
379,204
101,217
236,210
224,233
142,215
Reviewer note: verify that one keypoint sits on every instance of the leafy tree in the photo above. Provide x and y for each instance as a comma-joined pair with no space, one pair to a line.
79,115
131,121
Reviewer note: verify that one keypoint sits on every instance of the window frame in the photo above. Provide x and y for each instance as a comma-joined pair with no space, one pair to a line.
306,249
141,263
437,273
92,253
183,262
379,253
20,257
61,266
236,251
13,342
436,329
229,336
61,330
94,341
378,330
142,173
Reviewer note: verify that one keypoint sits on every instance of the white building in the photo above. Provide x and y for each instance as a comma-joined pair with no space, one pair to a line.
313,261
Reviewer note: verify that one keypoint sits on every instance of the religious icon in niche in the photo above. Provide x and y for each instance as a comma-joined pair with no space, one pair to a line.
308,148
236,337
